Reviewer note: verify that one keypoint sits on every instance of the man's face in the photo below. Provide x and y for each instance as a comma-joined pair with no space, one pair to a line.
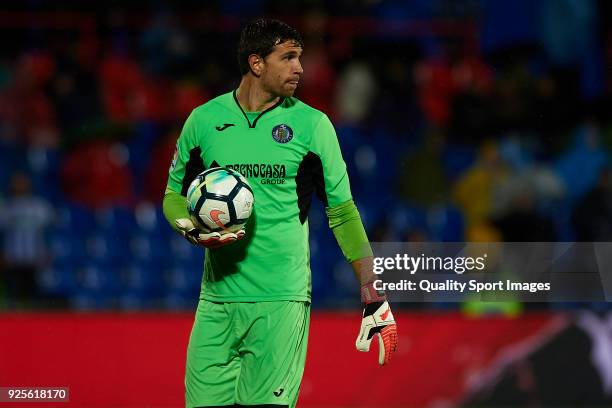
282,69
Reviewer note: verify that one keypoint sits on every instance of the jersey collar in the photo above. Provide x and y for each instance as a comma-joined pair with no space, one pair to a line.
252,125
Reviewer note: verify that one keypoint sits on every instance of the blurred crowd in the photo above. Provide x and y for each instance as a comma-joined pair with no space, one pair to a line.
465,120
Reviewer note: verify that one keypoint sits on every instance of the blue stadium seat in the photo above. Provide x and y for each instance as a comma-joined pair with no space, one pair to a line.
345,284
183,287
43,164
85,301
75,219
325,256
406,218
13,158
108,247
135,302
323,284
146,278
178,301
67,247
445,224
99,280
184,279
98,287
146,246
139,148
183,252
142,285
581,166
118,220
59,280
456,159
150,219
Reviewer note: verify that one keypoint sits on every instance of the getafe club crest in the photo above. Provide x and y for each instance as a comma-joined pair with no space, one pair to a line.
282,133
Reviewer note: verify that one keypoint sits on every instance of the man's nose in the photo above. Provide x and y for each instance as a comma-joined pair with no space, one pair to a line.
298,68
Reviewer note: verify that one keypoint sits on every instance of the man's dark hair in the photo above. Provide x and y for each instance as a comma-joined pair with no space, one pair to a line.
260,36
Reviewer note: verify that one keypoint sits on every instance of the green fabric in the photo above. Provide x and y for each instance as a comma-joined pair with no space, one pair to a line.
271,262
175,207
248,339
345,222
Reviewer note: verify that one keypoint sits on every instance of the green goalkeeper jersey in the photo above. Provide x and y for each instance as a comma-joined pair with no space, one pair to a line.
288,153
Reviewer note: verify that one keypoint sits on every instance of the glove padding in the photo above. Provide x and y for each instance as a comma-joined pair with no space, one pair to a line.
208,240
378,321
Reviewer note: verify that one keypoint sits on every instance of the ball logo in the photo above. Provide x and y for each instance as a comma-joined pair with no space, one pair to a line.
282,133
214,216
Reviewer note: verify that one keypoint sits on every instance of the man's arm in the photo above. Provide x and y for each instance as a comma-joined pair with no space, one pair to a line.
345,221
186,164
377,319
175,208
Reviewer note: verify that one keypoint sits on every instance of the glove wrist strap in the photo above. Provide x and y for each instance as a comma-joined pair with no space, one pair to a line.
370,295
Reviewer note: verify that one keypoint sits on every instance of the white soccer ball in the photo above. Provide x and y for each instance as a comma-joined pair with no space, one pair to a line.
220,199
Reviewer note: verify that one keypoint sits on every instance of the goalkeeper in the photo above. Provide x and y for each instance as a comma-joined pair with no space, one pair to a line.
248,341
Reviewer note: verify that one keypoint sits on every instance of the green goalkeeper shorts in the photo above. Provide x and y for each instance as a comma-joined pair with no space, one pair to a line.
246,353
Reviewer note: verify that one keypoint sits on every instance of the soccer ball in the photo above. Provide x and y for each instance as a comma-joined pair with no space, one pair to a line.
220,199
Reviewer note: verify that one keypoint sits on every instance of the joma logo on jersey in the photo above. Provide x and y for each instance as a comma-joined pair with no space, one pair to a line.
269,173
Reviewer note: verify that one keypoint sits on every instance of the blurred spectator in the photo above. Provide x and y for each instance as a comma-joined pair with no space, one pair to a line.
592,217
523,223
96,175
514,95
187,96
166,48
397,93
557,107
24,104
355,92
580,166
319,78
473,191
567,29
157,174
539,182
434,82
120,79
428,190
24,219
420,87
74,87
470,118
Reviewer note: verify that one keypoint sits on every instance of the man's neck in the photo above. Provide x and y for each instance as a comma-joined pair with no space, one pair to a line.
252,98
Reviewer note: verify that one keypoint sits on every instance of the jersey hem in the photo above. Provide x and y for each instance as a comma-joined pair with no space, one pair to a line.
272,298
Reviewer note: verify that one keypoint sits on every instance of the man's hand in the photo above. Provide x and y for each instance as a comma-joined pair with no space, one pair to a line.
377,321
208,240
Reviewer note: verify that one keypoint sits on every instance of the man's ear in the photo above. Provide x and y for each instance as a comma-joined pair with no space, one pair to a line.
256,64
